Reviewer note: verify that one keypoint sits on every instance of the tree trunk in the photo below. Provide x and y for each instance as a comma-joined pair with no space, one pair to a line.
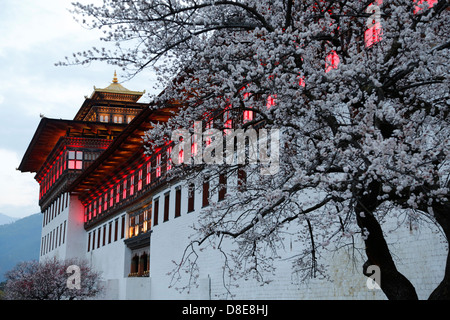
394,284
442,215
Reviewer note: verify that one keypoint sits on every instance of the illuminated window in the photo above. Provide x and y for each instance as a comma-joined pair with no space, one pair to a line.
374,31
129,119
271,101
207,127
132,185
158,165
118,193
181,156
169,159
194,147
105,204
124,190
332,61
139,187
227,120
431,3
149,173
100,204
248,114
118,119
111,198
75,160
104,118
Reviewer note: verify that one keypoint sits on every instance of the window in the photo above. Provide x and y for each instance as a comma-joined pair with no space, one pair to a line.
104,118
118,193
148,179
248,114
124,190
93,240
222,186
158,165
64,231
205,192
169,159
132,185
111,197
374,31
118,119
139,187
242,180
75,160
129,118
194,147
431,3
104,234
116,229
95,208
207,127
139,222
181,156
90,211
105,204
166,206
271,101
109,232
98,237
122,232
332,61
156,212
191,197
178,202
100,204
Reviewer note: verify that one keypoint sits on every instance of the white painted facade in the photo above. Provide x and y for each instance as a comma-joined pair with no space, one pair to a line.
420,255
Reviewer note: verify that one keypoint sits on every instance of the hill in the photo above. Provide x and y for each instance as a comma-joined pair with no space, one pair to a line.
4,219
19,241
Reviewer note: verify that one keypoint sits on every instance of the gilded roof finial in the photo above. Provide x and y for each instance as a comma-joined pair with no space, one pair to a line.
115,77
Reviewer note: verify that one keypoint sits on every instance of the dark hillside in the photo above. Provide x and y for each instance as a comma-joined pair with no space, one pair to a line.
19,241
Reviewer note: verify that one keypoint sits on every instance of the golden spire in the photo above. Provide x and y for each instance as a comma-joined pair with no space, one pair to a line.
115,78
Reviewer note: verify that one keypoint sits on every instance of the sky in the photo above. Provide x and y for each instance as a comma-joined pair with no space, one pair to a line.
34,35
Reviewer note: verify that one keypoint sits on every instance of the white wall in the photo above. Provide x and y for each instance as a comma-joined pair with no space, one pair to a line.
420,255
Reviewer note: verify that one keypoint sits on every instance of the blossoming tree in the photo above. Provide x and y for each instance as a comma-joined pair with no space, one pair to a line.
52,279
359,90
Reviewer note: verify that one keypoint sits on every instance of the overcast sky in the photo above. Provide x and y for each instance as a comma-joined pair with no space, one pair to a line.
34,35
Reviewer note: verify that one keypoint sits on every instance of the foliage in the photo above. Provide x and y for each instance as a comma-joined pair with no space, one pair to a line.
364,123
48,280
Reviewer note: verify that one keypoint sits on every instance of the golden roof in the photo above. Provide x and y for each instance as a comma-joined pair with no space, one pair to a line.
115,91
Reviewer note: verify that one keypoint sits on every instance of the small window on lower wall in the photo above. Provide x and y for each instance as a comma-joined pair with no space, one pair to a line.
166,206
191,197
205,201
178,202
